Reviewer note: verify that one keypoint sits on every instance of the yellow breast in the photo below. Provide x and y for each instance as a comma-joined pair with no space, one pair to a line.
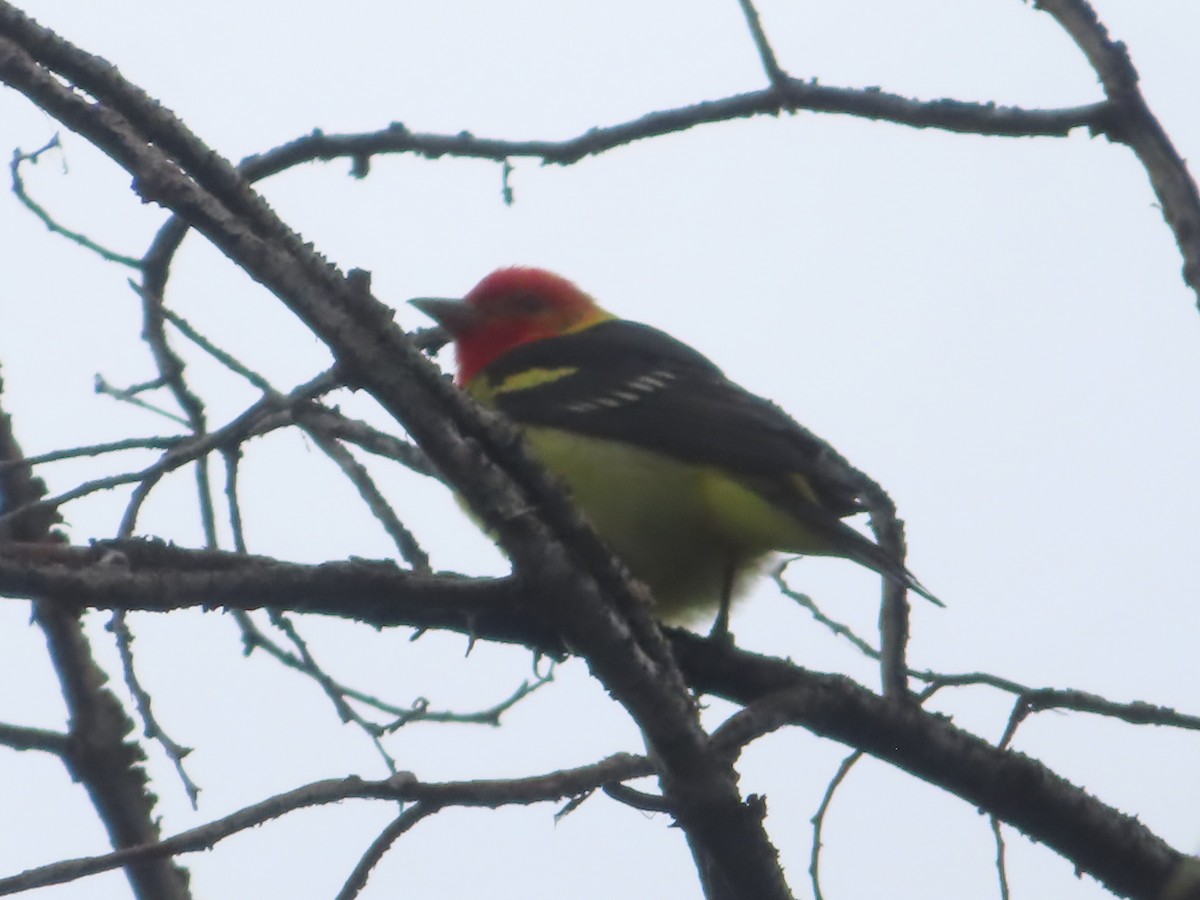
682,529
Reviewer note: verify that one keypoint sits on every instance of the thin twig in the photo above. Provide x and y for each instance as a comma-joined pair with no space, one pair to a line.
221,356
398,826
130,395
838,628
1127,119
775,74
232,457
1020,712
404,540
403,786
190,450
420,711
147,443
1136,712
818,820
345,711
151,727
1001,865
949,115
19,737
98,752
354,431
18,188
623,793
894,610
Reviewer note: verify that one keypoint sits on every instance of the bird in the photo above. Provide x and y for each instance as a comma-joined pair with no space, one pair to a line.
694,482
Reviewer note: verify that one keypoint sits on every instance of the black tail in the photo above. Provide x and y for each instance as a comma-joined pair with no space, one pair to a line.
840,538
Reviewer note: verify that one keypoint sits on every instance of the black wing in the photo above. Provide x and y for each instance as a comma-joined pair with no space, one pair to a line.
633,383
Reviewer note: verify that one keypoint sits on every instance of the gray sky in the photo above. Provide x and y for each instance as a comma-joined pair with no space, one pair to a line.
994,329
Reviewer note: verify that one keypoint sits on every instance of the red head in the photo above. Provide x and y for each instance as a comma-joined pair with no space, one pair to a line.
508,308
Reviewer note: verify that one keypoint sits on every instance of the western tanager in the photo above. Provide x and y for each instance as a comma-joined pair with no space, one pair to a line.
693,481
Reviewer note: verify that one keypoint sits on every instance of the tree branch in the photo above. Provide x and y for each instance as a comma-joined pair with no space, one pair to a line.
596,608
1116,849
1128,120
96,752
18,737
1019,790
868,103
404,786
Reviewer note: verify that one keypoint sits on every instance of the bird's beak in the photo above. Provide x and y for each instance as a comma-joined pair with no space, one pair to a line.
456,316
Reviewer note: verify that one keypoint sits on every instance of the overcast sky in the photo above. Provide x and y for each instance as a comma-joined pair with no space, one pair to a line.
994,329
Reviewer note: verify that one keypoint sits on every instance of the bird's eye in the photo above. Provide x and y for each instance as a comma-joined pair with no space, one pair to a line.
524,304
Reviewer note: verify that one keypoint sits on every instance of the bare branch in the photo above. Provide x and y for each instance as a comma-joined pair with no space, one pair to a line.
838,628
1128,120
1001,865
225,359
1098,839
818,820
775,74
406,542
398,826
569,589
184,452
420,711
596,607
97,753
18,188
869,103
354,431
310,667
130,395
1029,699
149,443
893,609
151,727
18,737
1116,849
403,786
143,575
623,793
1034,699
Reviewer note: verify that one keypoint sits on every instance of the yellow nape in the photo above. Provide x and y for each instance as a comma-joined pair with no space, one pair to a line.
681,528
